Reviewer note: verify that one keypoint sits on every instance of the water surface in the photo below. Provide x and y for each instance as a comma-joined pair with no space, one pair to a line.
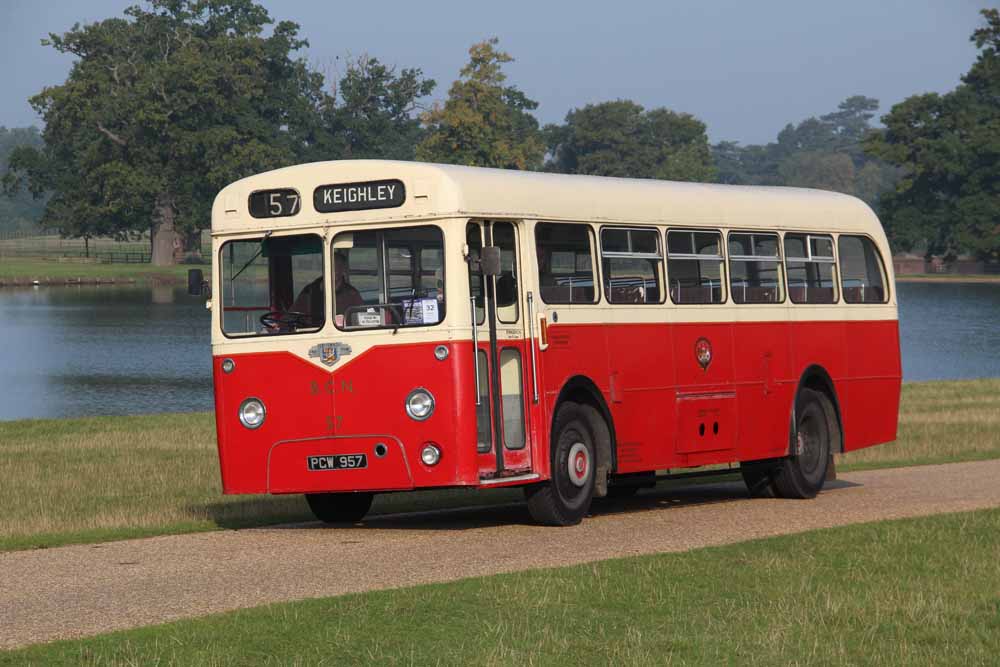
100,350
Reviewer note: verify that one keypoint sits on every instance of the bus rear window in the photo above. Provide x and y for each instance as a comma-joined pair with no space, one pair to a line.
694,266
565,263
388,278
272,285
861,271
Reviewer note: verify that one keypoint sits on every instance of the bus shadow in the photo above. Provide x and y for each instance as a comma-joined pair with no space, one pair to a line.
491,516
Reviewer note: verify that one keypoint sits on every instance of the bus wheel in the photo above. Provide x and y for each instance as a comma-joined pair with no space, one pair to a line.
802,473
565,499
340,507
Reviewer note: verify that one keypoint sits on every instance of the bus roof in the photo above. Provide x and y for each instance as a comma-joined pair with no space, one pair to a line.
444,191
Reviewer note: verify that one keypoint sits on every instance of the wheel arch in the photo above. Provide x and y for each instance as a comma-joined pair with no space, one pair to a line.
817,378
581,389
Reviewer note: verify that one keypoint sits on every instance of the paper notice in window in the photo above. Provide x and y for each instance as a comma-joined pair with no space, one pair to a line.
420,311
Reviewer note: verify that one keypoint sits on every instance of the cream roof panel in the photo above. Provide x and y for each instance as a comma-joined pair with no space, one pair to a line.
436,191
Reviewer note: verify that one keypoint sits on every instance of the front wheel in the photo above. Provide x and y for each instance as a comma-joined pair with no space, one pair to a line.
802,473
565,499
340,507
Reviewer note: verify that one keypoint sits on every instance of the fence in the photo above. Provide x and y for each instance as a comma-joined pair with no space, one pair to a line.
99,250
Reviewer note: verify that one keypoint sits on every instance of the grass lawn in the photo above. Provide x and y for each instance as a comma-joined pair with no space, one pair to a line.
103,478
912,592
52,269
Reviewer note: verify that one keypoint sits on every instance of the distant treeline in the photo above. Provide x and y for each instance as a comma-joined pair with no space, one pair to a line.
166,105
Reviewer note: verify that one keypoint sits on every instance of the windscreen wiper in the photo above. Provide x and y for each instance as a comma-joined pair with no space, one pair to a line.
251,260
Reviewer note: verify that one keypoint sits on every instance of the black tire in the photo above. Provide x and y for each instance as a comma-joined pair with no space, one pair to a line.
562,500
802,473
340,507
759,477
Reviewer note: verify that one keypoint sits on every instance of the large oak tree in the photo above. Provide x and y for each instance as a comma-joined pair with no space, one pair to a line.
948,146
161,109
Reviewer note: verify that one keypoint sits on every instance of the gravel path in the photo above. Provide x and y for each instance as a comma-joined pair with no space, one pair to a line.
82,590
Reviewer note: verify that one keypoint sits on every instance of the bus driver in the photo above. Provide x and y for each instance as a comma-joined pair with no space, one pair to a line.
310,299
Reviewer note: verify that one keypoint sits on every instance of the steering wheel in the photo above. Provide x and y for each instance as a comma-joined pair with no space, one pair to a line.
285,320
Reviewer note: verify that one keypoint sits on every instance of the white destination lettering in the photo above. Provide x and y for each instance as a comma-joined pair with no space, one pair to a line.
338,196
391,188
326,196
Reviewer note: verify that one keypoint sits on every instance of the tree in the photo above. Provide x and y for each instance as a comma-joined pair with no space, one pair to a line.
161,109
20,212
620,138
948,147
825,153
483,122
371,112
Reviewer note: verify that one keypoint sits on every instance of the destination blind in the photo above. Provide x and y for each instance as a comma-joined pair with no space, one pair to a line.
359,196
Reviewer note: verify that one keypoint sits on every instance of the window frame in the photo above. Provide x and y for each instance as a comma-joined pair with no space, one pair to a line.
779,259
594,263
658,256
881,261
723,279
261,237
819,259
382,258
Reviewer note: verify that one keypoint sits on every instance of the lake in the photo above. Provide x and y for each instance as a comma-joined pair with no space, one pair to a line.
100,350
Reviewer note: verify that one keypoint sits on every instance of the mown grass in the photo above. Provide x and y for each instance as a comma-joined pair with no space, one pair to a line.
912,592
104,478
26,268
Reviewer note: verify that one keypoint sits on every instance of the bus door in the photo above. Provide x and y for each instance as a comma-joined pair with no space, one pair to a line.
503,356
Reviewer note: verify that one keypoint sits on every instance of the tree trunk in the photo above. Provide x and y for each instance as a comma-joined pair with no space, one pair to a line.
163,238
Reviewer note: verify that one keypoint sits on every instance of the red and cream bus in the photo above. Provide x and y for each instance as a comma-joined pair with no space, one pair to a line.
388,326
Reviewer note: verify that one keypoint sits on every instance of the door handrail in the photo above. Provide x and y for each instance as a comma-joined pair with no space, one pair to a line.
531,342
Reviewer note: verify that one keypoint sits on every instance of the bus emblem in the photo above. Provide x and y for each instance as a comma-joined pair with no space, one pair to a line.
703,353
329,353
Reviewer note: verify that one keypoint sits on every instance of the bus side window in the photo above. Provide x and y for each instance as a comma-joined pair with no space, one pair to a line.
694,266
810,267
754,268
565,263
861,270
632,263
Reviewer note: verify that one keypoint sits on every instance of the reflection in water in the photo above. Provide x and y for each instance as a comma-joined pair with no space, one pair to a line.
70,351
93,350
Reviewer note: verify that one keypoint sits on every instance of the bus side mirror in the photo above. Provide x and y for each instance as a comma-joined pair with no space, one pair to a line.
489,260
196,282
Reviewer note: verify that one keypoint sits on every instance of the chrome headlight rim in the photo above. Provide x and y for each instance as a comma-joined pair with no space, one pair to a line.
416,416
243,418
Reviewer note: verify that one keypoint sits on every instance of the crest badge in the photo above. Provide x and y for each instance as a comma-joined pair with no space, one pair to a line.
329,353
703,353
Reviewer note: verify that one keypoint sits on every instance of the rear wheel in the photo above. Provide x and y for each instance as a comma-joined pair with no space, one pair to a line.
802,473
340,507
565,499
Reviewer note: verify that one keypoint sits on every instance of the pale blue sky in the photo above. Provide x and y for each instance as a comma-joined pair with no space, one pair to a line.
744,68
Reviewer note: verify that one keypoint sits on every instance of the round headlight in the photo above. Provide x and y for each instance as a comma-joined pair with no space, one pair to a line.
430,454
420,404
252,413
228,365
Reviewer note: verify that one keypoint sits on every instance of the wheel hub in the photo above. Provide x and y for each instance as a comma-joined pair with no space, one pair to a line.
578,464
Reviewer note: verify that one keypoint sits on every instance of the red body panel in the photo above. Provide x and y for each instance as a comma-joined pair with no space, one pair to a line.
667,410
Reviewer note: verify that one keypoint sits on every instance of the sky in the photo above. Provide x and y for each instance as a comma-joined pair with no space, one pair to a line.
744,68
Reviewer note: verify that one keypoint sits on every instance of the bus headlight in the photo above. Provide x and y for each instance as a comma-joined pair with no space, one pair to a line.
420,404
430,454
252,413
